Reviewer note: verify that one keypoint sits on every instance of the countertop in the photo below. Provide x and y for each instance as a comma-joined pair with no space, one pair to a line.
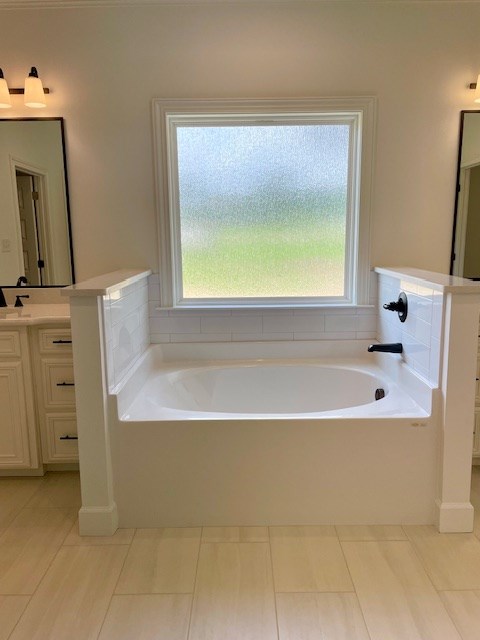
34,314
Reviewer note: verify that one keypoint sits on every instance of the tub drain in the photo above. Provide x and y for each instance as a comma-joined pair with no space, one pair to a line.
379,394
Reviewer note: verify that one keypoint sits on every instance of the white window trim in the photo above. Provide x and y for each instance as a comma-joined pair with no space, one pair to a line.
166,112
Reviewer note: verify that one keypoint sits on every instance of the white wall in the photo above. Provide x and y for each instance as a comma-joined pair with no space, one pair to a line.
104,65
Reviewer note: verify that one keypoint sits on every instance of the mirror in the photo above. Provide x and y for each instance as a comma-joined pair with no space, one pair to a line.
465,260
35,236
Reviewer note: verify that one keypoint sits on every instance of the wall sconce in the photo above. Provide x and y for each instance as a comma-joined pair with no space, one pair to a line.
476,86
33,91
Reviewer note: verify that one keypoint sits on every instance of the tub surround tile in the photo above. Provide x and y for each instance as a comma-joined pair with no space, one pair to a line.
464,609
365,532
200,337
308,559
29,545
161,561
314,616
234,596
220,324
121,536
147,617
452,560
395,594
257,324
235,534
11,608
79,584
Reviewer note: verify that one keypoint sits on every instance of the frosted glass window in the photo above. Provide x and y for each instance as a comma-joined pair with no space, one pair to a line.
263,210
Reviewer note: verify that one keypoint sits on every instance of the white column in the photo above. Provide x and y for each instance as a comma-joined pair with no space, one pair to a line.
454,510
98,514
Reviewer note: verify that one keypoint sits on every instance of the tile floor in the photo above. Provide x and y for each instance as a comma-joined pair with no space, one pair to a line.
228,583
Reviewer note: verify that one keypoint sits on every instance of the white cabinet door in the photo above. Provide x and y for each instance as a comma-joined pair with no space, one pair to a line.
14,428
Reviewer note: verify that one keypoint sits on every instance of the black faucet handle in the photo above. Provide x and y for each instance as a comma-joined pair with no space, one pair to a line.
18,302
400,306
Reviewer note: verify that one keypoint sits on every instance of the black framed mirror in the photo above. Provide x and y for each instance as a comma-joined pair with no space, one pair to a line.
35,229
465,256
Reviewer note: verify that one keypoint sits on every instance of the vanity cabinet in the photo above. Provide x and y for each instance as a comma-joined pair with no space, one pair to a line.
476,432
18,433
55,393
37,397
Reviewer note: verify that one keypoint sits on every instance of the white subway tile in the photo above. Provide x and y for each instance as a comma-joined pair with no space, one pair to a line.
175,325
219,324
435,361
159,338
260,337
155,312
344,335
200,337
278,324
420,307
366,323
154,292
340,323
366,335
437,315
311,323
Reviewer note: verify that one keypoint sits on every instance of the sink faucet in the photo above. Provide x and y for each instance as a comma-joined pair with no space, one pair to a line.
3,302
392,347
18,301
22,281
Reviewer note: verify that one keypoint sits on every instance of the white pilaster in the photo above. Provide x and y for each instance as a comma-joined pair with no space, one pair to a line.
454,511
98,514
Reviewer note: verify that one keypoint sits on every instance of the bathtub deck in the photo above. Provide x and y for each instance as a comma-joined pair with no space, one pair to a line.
227,583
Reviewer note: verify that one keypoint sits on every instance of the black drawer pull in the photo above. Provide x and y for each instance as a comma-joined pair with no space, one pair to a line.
65,384
61,342
68,438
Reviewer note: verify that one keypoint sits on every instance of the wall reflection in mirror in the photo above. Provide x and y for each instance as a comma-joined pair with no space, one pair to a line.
35,239
465,260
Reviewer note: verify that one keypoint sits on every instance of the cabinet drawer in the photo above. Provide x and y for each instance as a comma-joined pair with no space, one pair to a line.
476,435
10,344
58,383
61,432
55,340
477,384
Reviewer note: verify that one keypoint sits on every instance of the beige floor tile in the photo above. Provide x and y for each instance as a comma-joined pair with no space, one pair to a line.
370,532
464,609
319,616
395,594
58,489
147,617
235,534
452,560
121,536
73,598
14,494
11,608
308,559
161,561
29,545
234,596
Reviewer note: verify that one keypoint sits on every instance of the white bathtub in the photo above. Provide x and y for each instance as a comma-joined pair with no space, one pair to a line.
287,440
262,389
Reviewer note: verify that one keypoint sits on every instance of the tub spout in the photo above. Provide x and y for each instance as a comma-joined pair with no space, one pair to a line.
393,347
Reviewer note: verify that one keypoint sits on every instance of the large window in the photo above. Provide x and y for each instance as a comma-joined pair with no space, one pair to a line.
261,203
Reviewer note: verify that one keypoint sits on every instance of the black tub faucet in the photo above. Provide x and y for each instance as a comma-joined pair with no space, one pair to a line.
387,347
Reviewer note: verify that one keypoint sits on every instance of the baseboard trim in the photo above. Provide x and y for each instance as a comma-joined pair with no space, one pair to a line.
454,517
98,521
